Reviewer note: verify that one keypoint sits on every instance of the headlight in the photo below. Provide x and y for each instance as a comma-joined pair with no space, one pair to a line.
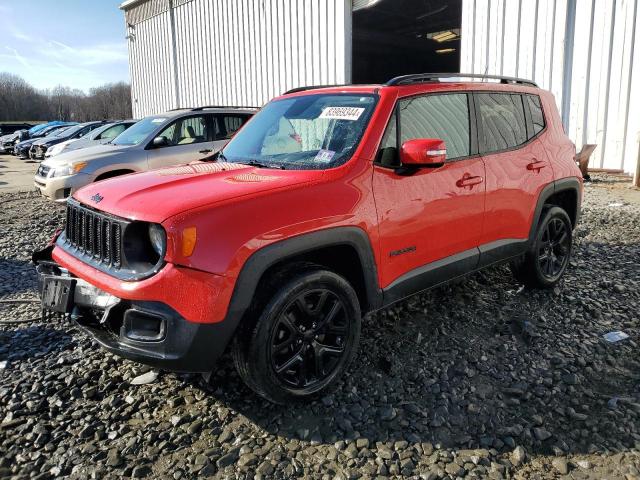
55,150
158,238
66,170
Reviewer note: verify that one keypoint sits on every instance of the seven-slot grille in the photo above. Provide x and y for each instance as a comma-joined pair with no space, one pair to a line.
94,235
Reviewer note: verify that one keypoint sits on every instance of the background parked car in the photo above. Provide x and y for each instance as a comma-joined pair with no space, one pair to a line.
7,142
7,128
179,136
38,128
40,147
21,149
99,136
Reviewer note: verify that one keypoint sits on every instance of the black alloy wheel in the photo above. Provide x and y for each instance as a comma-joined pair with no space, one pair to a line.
308,339
554,248
547,259
301,335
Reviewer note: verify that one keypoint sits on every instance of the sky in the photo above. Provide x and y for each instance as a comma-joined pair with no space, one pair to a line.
75,43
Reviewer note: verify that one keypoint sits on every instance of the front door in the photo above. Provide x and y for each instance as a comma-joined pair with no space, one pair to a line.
186,139
430,220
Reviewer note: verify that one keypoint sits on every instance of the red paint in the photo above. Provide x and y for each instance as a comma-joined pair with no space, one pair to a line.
239,209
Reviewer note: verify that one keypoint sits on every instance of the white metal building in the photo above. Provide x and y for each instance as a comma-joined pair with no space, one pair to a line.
244,52
587,52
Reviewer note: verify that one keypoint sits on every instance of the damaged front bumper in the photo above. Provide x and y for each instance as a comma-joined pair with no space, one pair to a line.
148,332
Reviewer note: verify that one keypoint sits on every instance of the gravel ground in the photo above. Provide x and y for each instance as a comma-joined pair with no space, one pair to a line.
478,379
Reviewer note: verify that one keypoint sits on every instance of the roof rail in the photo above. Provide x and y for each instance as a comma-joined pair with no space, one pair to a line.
311,87
221,107
432,77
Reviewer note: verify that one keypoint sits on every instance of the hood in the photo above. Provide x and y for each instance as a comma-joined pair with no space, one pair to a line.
25,143
90,153
159,194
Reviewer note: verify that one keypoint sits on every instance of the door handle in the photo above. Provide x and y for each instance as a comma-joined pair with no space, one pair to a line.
468,181
205,151
536,165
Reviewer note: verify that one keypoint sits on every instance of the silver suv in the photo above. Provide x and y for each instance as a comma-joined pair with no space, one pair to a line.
174,137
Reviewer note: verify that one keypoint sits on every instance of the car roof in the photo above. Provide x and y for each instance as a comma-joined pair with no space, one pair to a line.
406,85
216,109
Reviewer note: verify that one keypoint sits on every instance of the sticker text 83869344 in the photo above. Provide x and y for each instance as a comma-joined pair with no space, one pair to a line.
342,113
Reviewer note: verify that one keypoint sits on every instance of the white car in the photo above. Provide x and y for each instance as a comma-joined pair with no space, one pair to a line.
99,136
171,138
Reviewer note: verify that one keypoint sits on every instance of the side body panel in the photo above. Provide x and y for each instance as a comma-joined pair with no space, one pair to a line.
427,216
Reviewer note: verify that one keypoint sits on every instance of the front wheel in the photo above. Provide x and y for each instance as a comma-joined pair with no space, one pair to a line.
546,262
303,340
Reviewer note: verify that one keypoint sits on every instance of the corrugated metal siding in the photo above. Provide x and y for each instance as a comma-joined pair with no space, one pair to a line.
241,52
599,74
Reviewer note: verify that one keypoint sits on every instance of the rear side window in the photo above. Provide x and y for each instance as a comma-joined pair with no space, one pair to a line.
537,117
502,121
444,116
232,124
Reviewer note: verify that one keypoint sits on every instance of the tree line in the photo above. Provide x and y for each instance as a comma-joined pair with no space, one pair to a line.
20,101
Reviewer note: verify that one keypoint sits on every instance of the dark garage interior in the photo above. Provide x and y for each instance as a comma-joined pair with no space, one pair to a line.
397,37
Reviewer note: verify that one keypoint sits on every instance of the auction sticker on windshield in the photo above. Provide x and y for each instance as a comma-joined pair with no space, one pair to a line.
158,120
324,156
342,113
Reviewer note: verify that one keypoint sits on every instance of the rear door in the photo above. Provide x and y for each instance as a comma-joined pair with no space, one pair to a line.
517,167
187,139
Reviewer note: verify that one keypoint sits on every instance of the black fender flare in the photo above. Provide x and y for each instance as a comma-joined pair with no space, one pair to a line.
261,260
563,184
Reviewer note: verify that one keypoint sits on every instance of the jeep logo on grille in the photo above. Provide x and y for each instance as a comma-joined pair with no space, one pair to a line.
97,198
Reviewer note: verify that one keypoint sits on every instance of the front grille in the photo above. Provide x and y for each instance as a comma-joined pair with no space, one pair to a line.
94,236
43,171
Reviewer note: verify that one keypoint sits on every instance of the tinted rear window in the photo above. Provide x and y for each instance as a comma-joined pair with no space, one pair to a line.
537,117
502,121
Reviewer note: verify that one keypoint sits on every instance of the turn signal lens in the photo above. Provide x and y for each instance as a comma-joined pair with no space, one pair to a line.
189,237
76,167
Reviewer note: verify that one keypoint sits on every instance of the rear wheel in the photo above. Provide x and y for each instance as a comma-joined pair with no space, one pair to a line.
546,262
303,340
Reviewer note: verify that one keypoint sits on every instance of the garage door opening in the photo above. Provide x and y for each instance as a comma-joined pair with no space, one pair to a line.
398,37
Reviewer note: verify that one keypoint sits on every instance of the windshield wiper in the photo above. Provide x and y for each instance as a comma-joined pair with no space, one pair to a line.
255,163
215,157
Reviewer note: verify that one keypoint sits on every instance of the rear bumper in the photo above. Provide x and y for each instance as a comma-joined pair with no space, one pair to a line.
149,332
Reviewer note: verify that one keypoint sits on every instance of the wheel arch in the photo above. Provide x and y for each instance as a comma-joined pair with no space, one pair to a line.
309,247
113,173
565,193
344,250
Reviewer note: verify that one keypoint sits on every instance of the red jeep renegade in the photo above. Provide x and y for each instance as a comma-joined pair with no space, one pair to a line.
330,203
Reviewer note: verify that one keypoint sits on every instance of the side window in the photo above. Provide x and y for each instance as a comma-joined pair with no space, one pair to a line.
537,117
232,124
388,152
503,123
192,130
443,116
186,131
169,134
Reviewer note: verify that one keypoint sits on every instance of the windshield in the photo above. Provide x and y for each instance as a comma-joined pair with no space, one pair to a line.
138,132
68,131
311,132
54,131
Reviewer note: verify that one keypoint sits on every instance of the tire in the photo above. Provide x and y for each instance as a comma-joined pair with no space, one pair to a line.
304,337
545,263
